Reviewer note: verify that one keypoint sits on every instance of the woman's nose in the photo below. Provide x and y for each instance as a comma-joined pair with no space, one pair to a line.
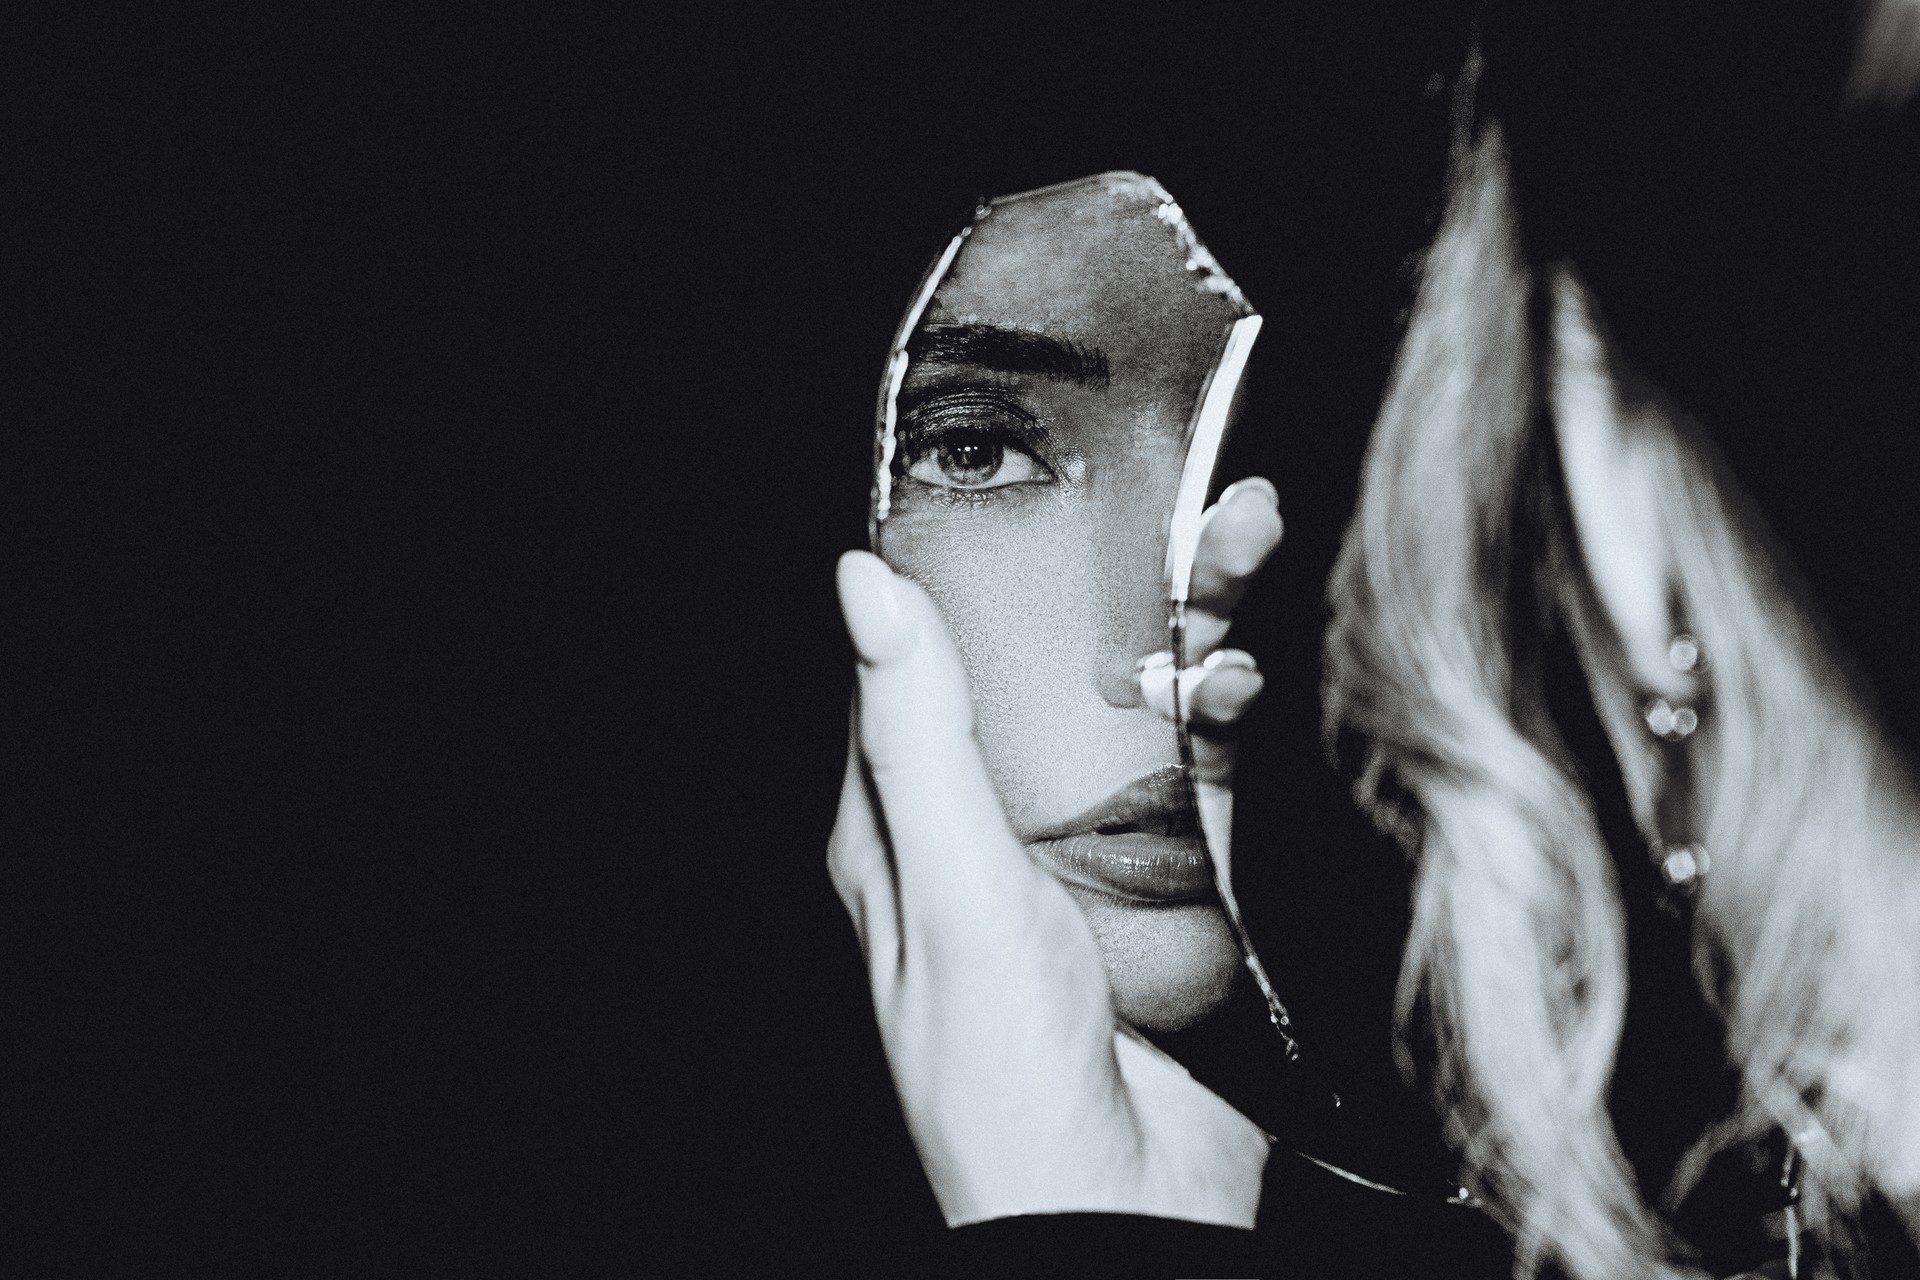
1133,621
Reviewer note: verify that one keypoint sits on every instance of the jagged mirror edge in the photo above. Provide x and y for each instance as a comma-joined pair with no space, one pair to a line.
1206,436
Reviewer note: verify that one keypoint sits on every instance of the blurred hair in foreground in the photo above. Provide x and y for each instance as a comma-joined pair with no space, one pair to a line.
1460,559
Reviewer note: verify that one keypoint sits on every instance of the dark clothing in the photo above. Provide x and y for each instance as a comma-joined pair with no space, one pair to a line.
1311,1224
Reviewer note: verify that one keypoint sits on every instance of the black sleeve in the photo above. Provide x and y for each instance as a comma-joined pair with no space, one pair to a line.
1114,1245
1312,1226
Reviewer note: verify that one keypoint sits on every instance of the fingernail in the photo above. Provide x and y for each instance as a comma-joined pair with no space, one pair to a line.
870,601
1156,687
1229,658
1252,484
1220,700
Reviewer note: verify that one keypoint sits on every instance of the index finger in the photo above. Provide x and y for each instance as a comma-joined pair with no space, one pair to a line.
1241,531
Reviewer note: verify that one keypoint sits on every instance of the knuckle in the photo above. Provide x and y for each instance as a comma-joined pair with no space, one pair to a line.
848,864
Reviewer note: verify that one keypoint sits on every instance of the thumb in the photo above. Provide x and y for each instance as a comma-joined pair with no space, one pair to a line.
952,844
913,689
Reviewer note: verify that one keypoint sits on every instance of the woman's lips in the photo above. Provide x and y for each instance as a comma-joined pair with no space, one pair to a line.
1133,864
1142,842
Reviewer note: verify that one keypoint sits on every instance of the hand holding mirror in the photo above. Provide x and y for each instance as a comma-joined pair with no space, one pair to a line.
1048,423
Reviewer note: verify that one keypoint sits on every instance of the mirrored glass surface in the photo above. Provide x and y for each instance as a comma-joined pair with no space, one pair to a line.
1046,433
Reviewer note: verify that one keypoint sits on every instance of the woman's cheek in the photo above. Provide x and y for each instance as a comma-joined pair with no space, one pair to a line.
1033,614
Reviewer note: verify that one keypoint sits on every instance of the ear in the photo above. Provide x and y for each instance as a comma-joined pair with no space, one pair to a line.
1608,464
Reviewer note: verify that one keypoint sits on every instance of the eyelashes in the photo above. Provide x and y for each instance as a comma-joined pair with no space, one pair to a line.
967,445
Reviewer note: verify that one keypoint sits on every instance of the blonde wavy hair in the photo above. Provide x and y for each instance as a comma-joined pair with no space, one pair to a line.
1807,930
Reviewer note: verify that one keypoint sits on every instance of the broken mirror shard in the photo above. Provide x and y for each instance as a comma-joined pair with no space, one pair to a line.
1049,418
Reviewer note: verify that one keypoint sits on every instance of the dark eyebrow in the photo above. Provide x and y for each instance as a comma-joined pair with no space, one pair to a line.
990,346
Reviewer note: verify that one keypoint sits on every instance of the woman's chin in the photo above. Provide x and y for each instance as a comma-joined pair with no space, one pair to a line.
1169,964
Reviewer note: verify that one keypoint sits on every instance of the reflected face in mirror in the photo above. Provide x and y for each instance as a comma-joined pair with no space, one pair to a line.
1042,427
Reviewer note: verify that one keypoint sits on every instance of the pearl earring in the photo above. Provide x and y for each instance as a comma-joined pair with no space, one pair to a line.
1685,860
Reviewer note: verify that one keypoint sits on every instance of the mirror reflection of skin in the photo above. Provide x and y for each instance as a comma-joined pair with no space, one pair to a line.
1042,431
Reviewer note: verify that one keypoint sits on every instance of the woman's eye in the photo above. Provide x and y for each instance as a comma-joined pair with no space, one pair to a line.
974,459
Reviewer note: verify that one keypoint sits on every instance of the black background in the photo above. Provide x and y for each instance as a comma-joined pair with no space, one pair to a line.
431,438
